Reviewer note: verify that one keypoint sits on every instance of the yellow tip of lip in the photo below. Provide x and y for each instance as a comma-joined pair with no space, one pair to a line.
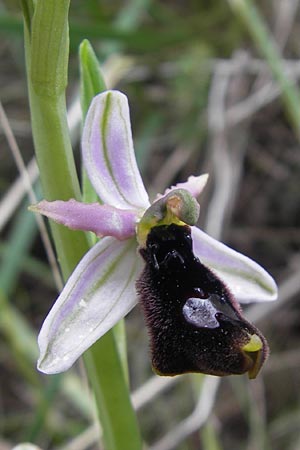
254,345
254,350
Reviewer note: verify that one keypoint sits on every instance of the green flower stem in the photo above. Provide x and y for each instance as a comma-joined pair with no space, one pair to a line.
247,11
47,45
47,48
118,420
57,171
107,358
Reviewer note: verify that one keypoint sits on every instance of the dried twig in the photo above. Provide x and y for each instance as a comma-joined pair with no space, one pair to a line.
27,183
140,398
14,195
222,166
196,420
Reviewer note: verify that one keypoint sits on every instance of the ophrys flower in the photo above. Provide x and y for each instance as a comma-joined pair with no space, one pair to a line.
102,290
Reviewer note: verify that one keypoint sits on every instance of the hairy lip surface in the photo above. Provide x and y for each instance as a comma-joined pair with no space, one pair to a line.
194,323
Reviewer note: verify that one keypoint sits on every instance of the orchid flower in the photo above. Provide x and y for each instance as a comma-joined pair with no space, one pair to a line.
102,288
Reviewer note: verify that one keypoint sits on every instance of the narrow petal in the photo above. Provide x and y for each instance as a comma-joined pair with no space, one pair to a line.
246,279
108,152
194,185
100,292
103,220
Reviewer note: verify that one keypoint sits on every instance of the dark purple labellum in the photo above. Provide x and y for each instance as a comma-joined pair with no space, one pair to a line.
194,323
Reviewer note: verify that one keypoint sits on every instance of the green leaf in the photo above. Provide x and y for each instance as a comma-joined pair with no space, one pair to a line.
28,10
91,80
91,84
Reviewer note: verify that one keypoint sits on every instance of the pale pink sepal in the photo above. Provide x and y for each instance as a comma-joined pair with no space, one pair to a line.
103,220
100,292
246,279
108,153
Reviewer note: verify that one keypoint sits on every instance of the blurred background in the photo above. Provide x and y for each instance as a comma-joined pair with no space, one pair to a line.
213,87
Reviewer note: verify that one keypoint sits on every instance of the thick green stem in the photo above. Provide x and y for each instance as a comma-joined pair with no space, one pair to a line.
57,171
48,47
46,44
118,420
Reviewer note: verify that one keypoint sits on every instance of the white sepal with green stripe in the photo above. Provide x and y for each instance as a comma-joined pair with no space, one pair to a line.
100,292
